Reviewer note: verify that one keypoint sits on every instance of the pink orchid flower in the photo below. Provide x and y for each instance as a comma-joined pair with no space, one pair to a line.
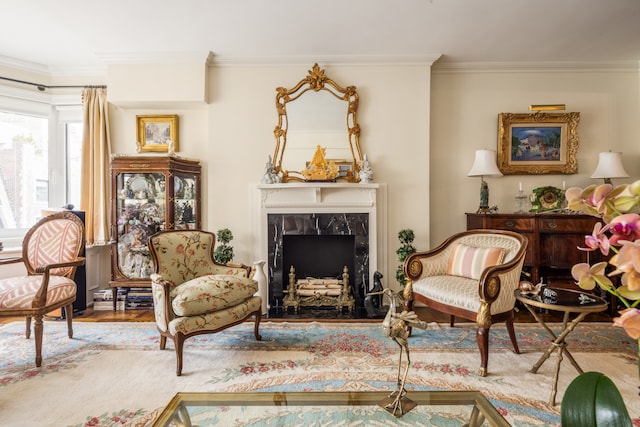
588,276
594,199
597,240
624,227
627,261
630,320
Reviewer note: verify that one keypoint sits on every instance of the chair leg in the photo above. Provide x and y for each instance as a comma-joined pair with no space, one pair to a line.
452,320
27,332
482,337
68,311
256,326
512,336
163,342
178,342
37,329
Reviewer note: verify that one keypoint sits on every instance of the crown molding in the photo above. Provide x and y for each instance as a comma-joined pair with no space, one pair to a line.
155,57
52,71
535,67
335,60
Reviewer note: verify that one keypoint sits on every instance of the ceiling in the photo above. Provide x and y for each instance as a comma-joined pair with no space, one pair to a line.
66,36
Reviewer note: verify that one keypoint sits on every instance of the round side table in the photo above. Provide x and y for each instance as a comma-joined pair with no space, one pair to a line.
566,301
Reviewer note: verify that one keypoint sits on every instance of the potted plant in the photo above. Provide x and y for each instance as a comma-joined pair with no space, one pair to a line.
618,236
223,252
406,248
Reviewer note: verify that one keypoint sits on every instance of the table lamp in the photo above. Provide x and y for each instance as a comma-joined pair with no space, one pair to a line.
610,166
484,165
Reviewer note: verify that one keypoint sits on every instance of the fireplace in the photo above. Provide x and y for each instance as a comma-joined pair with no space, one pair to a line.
318,246
331,224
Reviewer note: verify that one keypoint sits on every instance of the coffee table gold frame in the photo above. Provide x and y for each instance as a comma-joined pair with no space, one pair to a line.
568,302
176,413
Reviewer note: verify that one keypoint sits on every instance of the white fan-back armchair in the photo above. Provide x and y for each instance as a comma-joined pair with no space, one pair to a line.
51,254
472,275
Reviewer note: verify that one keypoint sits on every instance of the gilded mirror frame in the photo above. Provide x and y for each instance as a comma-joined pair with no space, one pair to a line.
317,81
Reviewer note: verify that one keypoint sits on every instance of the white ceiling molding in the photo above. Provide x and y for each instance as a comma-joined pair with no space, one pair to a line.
155,57
535,67
18,64
335,60
46,71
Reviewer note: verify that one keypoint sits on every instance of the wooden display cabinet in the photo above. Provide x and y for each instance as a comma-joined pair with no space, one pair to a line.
149,194
553,242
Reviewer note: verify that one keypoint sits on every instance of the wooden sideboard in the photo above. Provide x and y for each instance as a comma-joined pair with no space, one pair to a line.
553,241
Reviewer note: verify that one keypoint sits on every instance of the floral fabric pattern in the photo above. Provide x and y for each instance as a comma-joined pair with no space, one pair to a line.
215,320
203,295
182,256
209,293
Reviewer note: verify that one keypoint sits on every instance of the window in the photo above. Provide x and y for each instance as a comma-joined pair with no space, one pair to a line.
40,146
73,145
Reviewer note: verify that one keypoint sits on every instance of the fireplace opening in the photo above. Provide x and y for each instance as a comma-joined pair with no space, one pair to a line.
317,245
319,257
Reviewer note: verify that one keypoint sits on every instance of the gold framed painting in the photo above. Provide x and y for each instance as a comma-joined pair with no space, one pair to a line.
538,143
156,133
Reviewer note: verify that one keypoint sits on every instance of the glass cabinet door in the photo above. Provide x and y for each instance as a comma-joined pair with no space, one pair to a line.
185,202
140,210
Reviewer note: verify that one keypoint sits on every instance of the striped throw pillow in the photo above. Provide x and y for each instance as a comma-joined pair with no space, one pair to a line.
468,261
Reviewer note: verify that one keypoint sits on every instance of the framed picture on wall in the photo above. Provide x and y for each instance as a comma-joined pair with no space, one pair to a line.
538,143
157,133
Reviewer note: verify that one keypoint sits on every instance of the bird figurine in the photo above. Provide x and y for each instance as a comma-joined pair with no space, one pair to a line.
396,326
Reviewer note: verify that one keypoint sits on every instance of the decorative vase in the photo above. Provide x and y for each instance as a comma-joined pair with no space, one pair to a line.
260,277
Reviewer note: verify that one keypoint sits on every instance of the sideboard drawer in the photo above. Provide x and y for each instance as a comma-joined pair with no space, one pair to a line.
513,223
567,225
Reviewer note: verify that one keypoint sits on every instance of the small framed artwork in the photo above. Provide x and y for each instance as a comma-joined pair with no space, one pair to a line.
538,143
157,133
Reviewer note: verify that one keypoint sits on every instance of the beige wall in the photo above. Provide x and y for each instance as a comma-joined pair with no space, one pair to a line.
419,129
232,136
464,111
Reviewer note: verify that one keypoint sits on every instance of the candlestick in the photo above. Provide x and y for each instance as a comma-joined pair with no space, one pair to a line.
520,186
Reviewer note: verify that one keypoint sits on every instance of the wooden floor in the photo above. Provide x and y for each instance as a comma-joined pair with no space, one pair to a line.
146,315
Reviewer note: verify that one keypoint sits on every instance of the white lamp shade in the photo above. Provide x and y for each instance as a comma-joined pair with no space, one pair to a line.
610,166
485,164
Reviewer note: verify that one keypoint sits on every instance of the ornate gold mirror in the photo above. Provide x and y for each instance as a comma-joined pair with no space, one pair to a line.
319,130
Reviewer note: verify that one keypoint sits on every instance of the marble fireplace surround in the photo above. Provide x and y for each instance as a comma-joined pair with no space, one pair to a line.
356,204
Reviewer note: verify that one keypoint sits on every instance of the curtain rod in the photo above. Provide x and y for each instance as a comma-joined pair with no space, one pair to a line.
42,87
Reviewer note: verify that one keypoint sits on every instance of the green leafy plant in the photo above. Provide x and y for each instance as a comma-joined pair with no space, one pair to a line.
406,248
593,400
223,252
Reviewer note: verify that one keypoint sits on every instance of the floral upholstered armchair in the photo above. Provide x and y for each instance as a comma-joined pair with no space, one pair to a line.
192,294
472,275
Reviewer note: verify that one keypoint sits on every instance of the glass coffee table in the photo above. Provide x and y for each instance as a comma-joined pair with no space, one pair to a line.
470,408
566,301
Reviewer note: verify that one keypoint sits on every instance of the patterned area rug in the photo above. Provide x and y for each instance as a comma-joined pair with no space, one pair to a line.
113,374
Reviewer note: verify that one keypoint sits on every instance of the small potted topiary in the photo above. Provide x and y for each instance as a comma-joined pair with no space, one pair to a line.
406,248
223,253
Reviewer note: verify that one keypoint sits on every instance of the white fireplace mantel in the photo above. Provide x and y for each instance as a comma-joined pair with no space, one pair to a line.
323,197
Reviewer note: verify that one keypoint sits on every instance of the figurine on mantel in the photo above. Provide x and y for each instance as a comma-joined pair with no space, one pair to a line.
171,148
270,176
366,173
